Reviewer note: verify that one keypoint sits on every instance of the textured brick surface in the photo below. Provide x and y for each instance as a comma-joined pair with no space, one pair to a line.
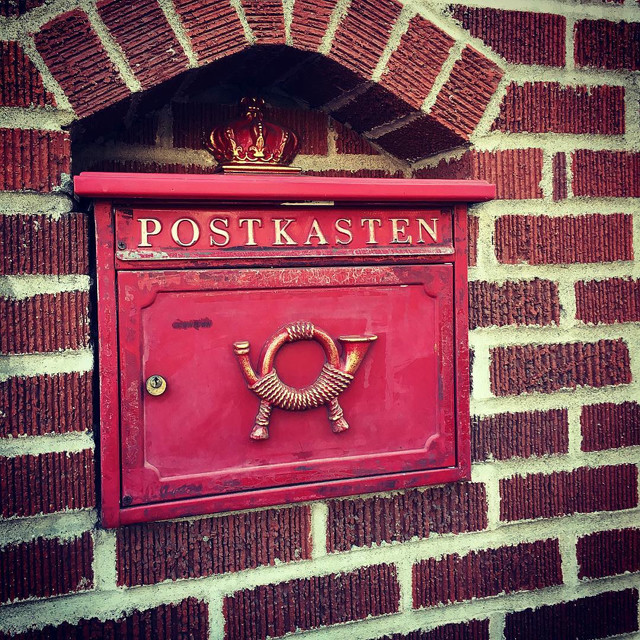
45,322
20,82
472,246
472,630
349,142
46,483
32,159
363,522
559,170
46,567
46,404
266,19
480,574
464,97
18,7
363,33
193,549
550,367
520,303
564,240
310,21
186,620
614,174
584,490
78,61
607,45
515,172
143,33
419,139
609,553
38,244
519,435
213,27
608,301
518,36
276,609
609,426
415,64
604,615
372,108
542,107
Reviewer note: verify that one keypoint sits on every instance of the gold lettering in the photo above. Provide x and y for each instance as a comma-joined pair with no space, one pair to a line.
341,229
251,238
397,230
219,232
372,231
195,232
281,232
432,231
145,232
316,232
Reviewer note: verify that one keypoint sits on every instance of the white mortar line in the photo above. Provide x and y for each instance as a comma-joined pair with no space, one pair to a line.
33,364
480,372
319,520
216,616
455,53
18,202
551,142
248,33
116,55
32,21
632,112
397,31
72,442
497,622
492,111
338,13
169,10
43,118
486,475
546,180
287,12
404,572
26,286
569,557
64,526
104,560
576,206
574,431
388,127
346,97
569,57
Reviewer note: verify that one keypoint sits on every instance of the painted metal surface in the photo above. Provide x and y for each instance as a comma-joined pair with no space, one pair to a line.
171,322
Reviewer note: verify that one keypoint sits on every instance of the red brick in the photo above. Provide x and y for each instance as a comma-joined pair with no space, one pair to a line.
480,574
472,230
310,22
266,19
550,367
608,174
515,172
519,435
609,553
604,615
372,108
349,142
46,483
45,322
32,159
464,97
40,405
20,82
607,45
415,64
143,33
542,107
472,630
213,27
418,139
584,490
308,603
142,131
518,36
78,61
363,34
520,303
559,168
18,7
34,244
608,301
46,567
610,426
198,548
186,620
564,240
364,522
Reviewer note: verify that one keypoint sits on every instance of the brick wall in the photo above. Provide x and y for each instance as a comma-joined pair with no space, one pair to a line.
544,541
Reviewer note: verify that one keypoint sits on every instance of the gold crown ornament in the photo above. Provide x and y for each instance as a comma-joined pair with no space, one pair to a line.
251,143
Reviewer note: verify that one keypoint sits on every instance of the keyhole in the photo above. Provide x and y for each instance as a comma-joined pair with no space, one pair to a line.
156,382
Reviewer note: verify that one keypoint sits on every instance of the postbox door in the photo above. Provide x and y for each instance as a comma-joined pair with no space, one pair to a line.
193,439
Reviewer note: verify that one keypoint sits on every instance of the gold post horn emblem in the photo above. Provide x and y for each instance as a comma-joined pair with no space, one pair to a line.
334,377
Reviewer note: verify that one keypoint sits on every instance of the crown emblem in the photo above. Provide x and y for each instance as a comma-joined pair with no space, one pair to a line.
252,143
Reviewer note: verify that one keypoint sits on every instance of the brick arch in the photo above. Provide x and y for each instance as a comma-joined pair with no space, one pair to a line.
386,71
